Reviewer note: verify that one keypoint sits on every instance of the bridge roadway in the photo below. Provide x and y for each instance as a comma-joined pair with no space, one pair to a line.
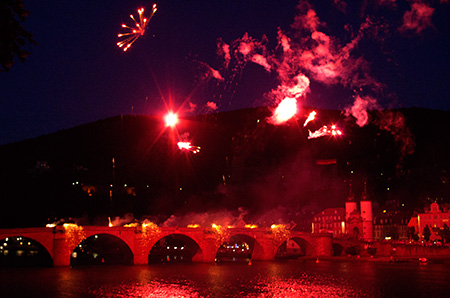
60,241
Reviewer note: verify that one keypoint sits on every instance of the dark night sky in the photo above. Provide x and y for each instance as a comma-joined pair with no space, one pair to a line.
77,74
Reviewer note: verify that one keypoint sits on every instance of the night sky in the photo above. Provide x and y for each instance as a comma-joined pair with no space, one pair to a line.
381,54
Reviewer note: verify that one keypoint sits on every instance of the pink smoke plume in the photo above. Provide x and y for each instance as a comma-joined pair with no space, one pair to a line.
224,218
330,62
192,107
359,109
308,20
211,105
223,49
394,122
340,5
211,72
261,60
309,52
418,18
294,88
253,50
283,40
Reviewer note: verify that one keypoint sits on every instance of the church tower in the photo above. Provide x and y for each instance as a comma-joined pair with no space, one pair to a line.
366,215
350,204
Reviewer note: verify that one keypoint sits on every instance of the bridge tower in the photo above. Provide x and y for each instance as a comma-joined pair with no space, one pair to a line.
350,204
366,215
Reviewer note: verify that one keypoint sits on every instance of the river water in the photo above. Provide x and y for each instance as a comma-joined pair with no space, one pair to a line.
290,278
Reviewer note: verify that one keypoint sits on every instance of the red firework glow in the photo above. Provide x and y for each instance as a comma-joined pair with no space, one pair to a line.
133,33
171,119
285,110
325,131
187,146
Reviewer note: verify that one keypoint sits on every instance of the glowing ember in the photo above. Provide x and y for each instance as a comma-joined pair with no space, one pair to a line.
171,119
131,225
133,33
187,146
221,234
75,234
310,118
251,226
150,230
52,225
325,131
285,110
109,222
193,226
280,232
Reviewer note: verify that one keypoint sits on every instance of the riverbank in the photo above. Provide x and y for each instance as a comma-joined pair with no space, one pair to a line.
385,259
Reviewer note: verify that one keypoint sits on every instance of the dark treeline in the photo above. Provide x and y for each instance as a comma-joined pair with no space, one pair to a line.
243,162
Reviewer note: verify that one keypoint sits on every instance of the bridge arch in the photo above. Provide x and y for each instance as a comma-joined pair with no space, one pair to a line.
173,247
102,248
295,247
337,249
239,245
24,252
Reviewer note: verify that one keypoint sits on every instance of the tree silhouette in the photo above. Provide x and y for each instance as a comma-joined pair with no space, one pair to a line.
412,235
426,233
13,37
445,233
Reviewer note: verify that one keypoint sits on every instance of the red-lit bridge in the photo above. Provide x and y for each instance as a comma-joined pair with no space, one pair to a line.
61,241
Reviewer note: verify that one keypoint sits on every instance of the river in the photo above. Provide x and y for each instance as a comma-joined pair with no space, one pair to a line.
289,278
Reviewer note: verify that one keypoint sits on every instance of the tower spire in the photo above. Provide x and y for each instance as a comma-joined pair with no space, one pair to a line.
364,196
350,197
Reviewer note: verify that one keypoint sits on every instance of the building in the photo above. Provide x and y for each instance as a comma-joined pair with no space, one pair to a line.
434,217
348,221
331,220
365,205
391,225
359,223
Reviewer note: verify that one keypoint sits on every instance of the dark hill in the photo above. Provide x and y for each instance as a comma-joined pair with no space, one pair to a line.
244,162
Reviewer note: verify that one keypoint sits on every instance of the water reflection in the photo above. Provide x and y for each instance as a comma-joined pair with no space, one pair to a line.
290,278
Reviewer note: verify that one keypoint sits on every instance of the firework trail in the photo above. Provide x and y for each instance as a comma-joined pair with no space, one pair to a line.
325,131
188,147
133,33
310,118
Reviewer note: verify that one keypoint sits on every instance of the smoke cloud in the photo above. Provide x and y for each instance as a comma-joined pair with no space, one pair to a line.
418,18
359,109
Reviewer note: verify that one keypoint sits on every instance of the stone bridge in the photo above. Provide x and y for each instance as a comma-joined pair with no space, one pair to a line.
60,241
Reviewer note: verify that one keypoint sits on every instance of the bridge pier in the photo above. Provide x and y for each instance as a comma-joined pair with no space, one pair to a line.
323,246
61,250
207,251
267,252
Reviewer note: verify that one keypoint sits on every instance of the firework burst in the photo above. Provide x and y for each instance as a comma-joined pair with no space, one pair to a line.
187,146
325,131
133,33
